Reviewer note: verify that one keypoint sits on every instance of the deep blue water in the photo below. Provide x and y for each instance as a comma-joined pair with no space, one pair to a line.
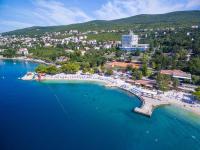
74,116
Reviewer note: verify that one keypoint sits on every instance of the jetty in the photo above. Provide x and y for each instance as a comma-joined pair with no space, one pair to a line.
148,106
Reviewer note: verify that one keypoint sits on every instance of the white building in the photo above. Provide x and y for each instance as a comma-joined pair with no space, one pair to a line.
130,42
23,51
107,46
195,27
2,50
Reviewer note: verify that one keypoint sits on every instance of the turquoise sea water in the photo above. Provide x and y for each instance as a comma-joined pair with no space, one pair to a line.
87,116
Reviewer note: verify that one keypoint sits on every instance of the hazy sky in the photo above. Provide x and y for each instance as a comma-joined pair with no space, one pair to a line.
15,14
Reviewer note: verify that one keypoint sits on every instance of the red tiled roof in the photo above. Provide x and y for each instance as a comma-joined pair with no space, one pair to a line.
123,64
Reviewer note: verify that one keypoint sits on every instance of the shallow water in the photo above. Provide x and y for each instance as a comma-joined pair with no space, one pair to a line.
73,115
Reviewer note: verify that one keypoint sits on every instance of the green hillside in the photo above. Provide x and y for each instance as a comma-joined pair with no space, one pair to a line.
173,19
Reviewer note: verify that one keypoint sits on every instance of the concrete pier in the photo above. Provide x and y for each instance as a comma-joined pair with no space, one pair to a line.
149,104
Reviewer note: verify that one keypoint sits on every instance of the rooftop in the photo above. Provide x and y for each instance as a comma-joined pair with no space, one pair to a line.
123,64
176,73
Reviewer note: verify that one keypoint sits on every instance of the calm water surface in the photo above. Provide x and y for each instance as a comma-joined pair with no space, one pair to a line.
74,116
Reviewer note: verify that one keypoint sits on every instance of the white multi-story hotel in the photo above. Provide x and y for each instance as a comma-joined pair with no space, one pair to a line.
130,42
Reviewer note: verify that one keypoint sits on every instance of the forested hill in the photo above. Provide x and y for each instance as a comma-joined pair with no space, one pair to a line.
173,19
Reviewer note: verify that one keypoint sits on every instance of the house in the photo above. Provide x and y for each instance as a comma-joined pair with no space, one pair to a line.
97,48
47,45
145,83
195,27
177,74
107,46
83,52
62,59
2,50
23,51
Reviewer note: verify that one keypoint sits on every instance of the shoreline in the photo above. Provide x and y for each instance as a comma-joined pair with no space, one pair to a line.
26,59
149,103
187,108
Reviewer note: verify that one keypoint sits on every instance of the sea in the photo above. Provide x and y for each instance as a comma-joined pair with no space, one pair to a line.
60,115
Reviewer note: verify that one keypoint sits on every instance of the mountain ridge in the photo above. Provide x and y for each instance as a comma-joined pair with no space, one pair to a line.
178,18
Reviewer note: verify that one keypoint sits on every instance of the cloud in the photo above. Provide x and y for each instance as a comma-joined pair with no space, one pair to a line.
42,13
15,24
193,4
55,13
114,9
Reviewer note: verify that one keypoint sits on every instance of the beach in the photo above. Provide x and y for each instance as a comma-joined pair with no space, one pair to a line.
151,99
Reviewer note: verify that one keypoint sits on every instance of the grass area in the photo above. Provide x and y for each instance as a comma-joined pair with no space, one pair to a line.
105,36
48,54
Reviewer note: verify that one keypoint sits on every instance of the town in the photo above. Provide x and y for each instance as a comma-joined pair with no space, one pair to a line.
100,74
150,58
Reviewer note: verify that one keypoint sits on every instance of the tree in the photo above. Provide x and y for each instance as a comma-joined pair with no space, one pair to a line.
197,89
102,68
163,82
137,74
129,68
194,66
52,70
109,72
145,58
137,52
196,79
144,70
70,68
85,65
41,69
96,70
9,53
118,53
91,71
197,93
85,70
175,83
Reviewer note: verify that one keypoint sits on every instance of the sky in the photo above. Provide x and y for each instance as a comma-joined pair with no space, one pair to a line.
17,14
